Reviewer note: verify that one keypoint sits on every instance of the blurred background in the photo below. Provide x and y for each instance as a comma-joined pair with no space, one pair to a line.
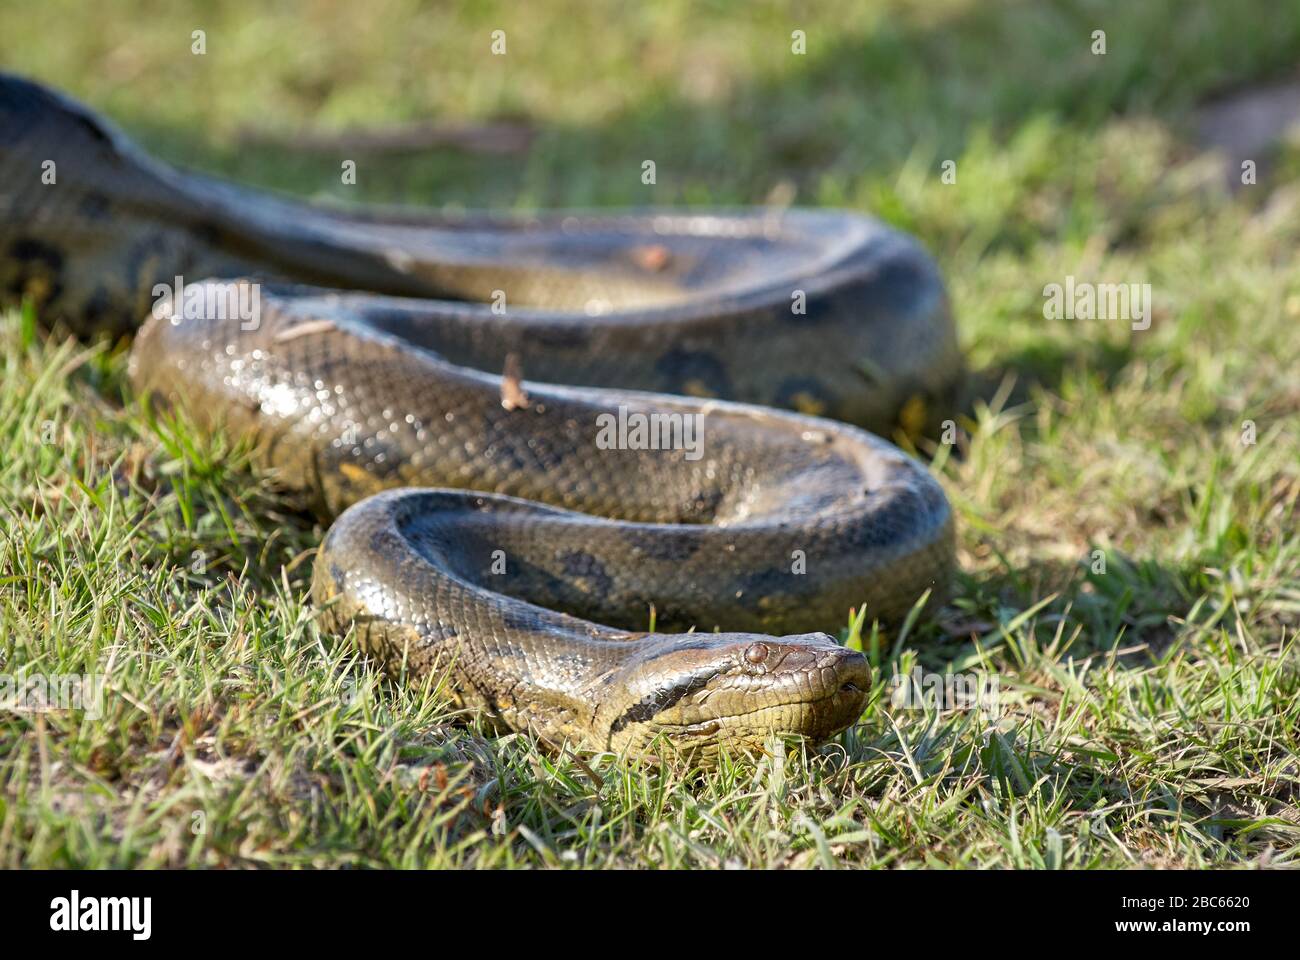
1062,154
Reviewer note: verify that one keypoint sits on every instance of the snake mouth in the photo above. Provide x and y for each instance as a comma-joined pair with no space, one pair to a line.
814,718
739,689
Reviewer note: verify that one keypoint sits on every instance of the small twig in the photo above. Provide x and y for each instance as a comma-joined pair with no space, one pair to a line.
513,396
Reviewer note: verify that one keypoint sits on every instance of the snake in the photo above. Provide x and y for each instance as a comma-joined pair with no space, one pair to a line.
610,473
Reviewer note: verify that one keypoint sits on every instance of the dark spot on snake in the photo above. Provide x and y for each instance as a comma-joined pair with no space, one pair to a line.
703,507
381,543
693,372
582,565
659,544
338,574
94,206
99,309
208,232
37,264
147,262
805,394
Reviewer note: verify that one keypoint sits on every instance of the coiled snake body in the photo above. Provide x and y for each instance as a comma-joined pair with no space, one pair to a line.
515,533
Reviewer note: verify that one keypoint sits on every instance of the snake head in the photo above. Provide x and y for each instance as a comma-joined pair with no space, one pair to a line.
735,690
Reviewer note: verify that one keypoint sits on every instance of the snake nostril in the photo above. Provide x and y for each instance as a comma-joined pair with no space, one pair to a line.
850,687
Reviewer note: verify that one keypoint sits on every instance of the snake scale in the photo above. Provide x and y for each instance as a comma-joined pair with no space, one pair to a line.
514,532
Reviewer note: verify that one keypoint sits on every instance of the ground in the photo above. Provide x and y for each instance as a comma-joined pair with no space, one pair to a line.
1126,499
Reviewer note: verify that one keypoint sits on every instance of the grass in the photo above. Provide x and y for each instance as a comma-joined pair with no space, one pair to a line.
1131,567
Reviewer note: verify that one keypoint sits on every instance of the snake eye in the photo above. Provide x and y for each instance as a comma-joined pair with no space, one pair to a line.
756,653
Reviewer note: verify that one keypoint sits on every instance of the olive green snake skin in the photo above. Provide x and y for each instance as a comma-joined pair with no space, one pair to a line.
531,429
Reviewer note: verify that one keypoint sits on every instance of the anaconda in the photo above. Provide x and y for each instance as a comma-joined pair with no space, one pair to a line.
516,533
